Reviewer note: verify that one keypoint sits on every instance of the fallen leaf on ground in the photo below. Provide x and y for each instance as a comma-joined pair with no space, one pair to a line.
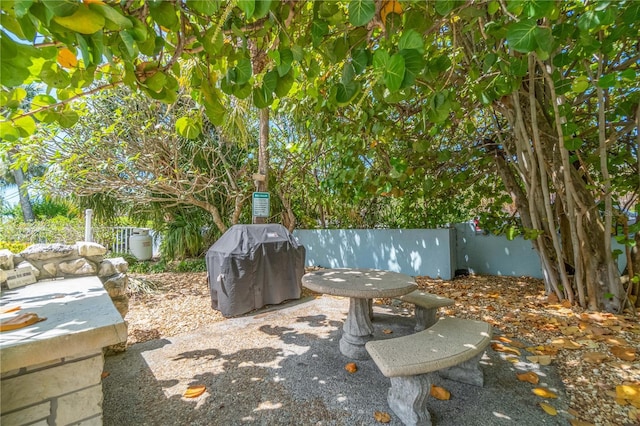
351,367
529,376
595,357
194,391
628,392
499,347
540,359
549,409
104,375
387,331
440,393
382,417
544,393
625,353
565,343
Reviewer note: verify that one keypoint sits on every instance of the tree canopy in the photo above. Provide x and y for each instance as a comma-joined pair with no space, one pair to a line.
419,104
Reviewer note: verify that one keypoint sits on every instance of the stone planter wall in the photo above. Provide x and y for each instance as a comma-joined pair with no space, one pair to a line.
52,261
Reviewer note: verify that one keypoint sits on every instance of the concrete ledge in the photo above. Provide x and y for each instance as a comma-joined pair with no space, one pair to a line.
426,307
81,318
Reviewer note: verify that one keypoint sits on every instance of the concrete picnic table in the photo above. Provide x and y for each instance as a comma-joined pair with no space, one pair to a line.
360,286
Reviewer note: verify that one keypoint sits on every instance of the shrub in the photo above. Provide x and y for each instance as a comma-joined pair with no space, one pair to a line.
13,246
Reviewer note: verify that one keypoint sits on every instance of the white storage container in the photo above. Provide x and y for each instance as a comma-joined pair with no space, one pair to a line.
140,244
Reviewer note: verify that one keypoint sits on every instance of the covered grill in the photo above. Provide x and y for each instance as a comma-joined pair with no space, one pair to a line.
251,266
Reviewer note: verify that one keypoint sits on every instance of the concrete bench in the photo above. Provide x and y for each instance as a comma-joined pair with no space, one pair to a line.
426,307
451,348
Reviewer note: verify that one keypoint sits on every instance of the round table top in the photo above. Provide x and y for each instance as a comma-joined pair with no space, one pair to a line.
360,283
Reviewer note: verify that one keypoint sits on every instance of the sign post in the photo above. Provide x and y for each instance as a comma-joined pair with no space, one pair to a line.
261,204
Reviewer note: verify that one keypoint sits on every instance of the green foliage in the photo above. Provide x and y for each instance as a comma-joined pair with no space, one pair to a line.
55,230
182,237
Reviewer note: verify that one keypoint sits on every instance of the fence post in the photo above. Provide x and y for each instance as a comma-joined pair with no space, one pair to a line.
87,225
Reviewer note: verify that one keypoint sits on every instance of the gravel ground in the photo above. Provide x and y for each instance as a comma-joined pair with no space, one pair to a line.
594,353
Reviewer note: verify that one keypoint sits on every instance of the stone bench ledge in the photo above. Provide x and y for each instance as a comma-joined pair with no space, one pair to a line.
80,318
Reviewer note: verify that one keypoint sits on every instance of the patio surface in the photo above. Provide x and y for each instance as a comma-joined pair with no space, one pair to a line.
282,366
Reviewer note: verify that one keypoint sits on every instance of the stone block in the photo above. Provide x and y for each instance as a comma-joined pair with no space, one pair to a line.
77,267
3,276
6,259
48,251
25,264
27,415
116,285
109,267
51,269
122,304
83,404
37,386
88,249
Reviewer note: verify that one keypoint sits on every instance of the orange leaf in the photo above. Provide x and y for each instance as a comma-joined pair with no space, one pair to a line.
529,376
382,417
22,320
544,393
387,331
549,409
625,353
67,58
629,392
104,374
7,310
440,393
595,357
194,391
498,347
577,422
390,6
351,367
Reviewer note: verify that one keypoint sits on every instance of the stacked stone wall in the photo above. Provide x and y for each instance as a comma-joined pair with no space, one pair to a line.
55,261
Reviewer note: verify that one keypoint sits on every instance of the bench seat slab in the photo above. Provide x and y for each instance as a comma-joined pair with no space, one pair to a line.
407,397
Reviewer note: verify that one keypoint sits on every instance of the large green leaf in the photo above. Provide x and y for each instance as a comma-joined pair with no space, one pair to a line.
205,7
243,71
361,12
284,85
410,39
525,36
247,6
394,73
262,8
62,7
319,29
83,21
165,14
536,9
188,128
444,6
345,93
112,15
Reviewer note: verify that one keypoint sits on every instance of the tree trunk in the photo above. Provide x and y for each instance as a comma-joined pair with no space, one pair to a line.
262,184
23,193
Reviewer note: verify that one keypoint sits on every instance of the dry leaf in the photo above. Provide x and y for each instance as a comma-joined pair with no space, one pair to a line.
544,393
565,343
382,417
595,357
104,375
569,331
67,58
20,321
387,331
7,310
549,409
565,303
541,359
440,393
194,391
498,347
351,367
529,376
628,391
625,353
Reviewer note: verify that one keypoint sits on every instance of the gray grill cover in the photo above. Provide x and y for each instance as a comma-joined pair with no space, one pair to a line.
251,266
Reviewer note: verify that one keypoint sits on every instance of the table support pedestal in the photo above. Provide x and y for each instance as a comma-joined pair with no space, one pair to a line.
357,329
